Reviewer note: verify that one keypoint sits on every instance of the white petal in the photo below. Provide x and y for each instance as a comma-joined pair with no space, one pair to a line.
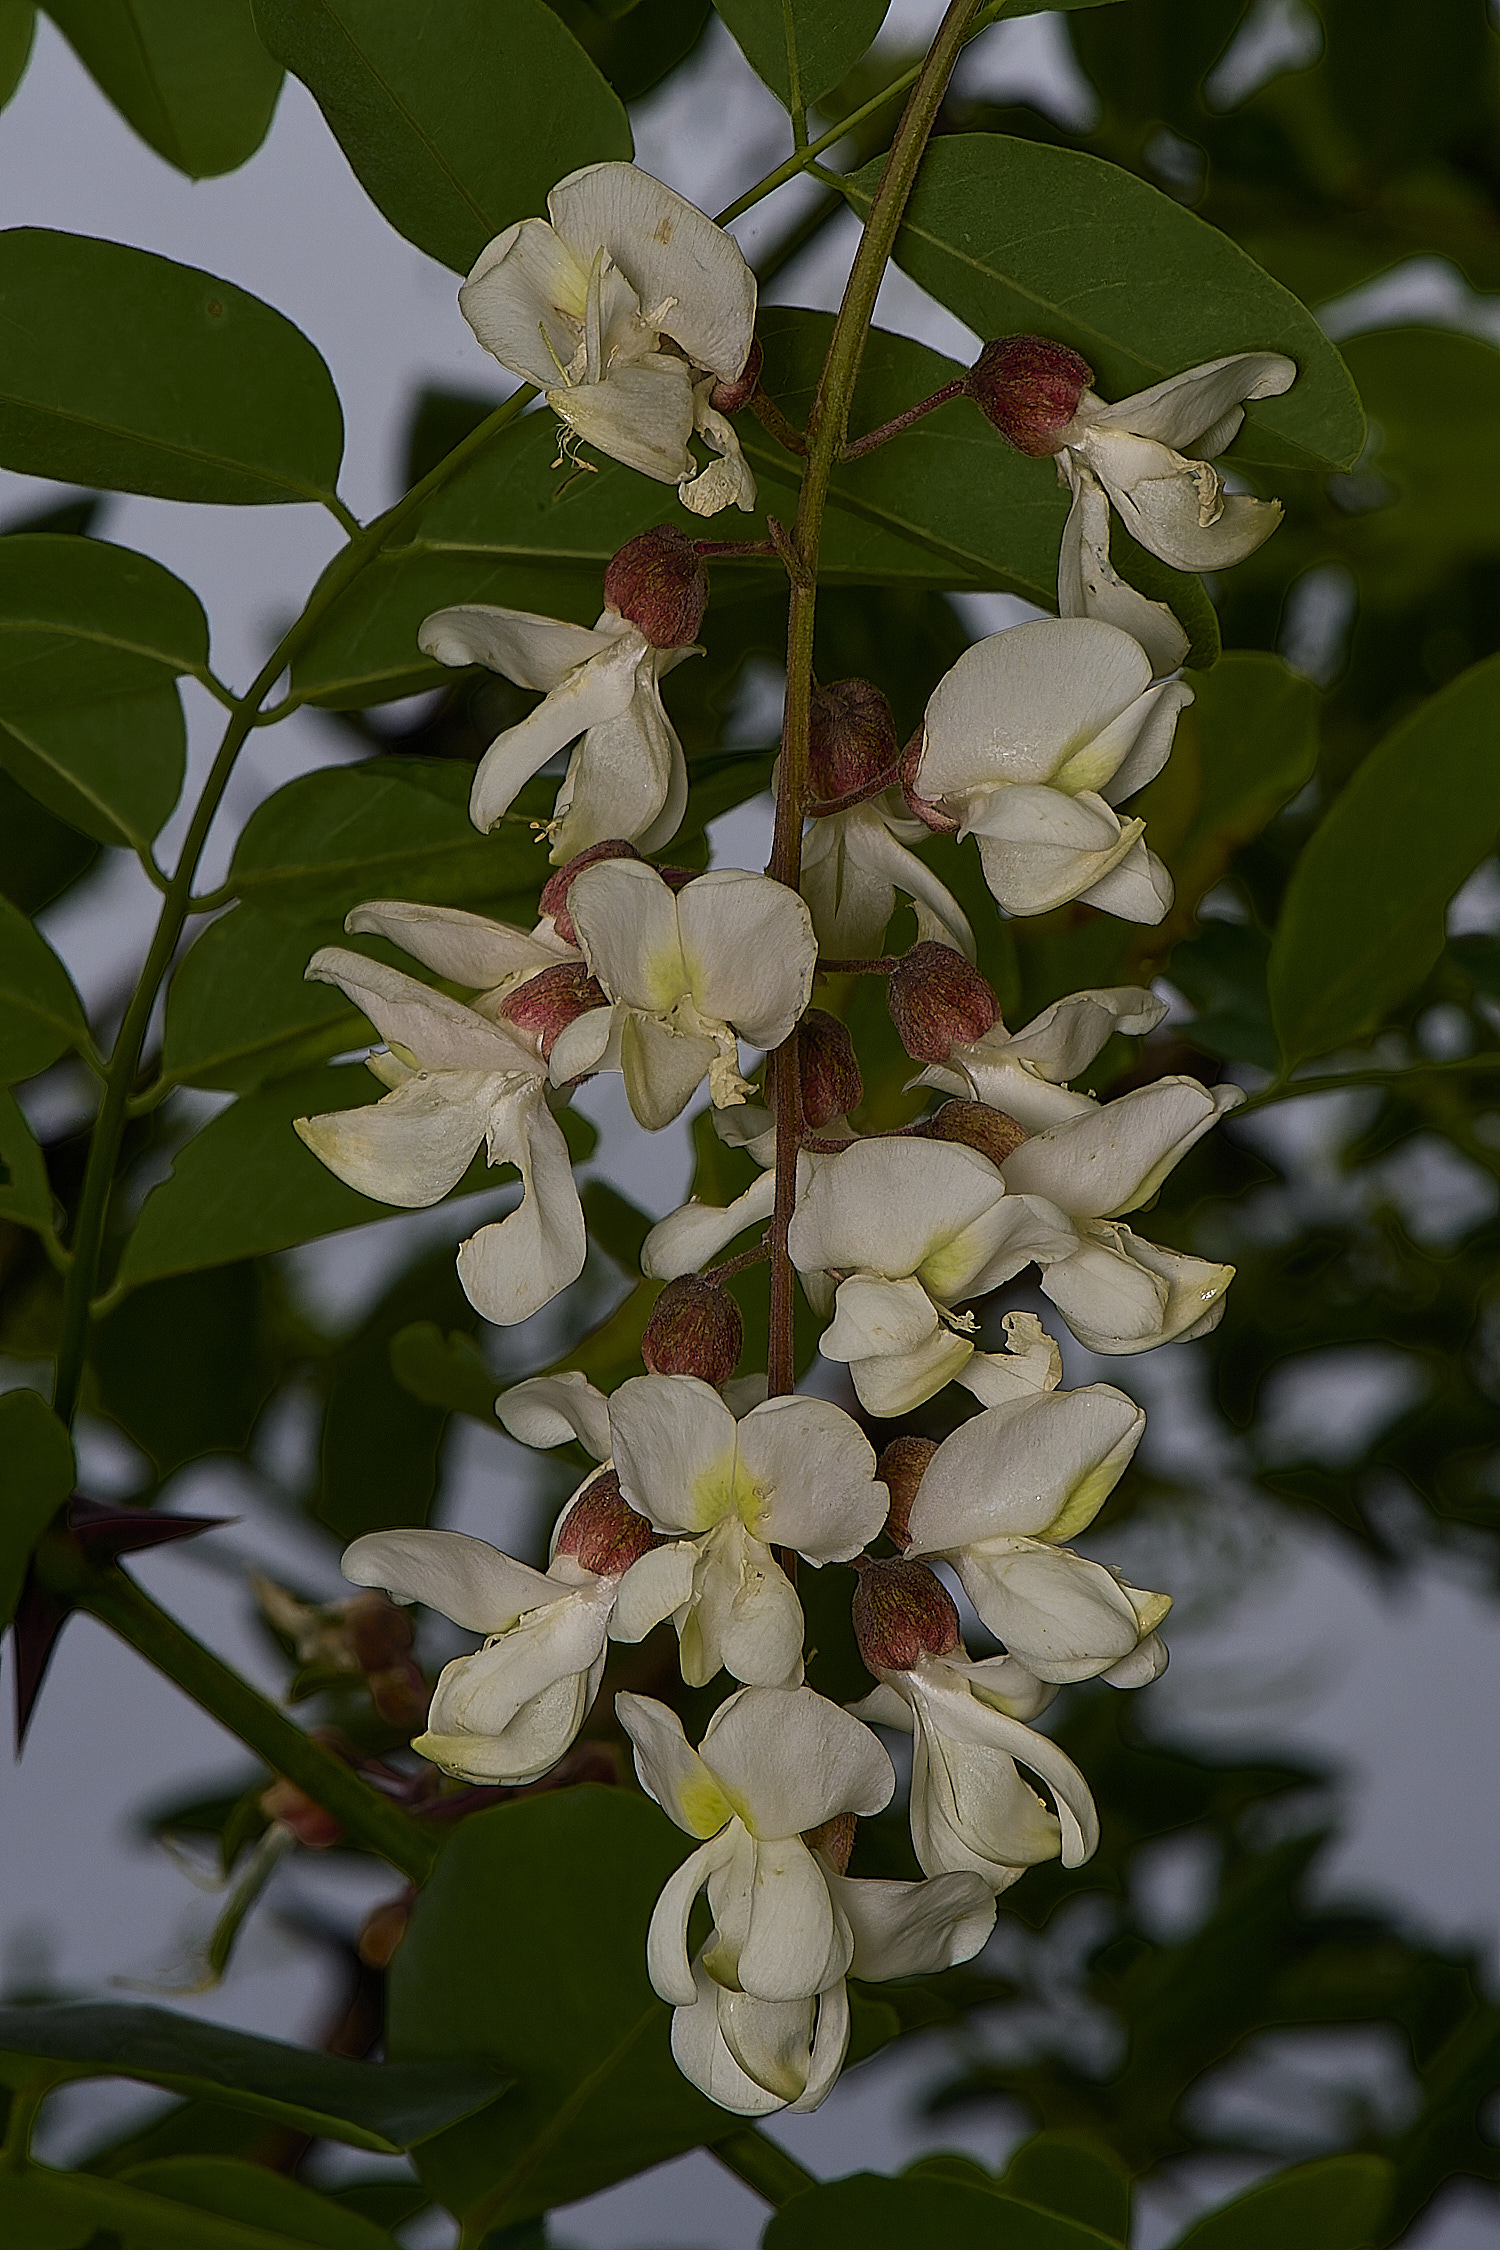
626,919
1179,410
589,1043
667,1962
414,1144
795,1945
666,248
794,1760
1030,1363
597,691
620,778
896,1385
641,414
914,1929
1145,1663
548,1410
875,1319
1016,705
1088,585
1175,506
1115,1158
536,652
548,1654
883,1707
1065,1038
743,1617
462,1578
749,949
689,1238
662,1068
1156,719
1042,1465
849,896
1138,888
887,1206
673,1441
1014,1233
728,482
1187,1293
653,1588
442,1034
1040,848
815,1469
1063,1617
772,2035
830,2045
520,285
669,1770
510,1270
528,1746
466,948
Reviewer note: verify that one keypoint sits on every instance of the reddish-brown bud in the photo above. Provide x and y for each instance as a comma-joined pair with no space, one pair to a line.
695,1329
936,997
1029,387
852,742
900,1471
380,1632
548,1002
602,1531
658,581
554,898
932,815
400,1695
976,1126
285,1803
383,1929
902,1612
827,1067
835,1840
729,396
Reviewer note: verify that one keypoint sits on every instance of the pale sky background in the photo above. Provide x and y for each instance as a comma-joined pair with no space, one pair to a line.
1283,1640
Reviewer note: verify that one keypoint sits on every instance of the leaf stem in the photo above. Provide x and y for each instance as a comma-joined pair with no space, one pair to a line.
1336,1081
754,2158
178,902
826,431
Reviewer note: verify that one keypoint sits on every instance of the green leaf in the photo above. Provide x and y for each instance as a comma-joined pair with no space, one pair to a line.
529,1947
385,828
36,1476
189,75
250,414
40,856
638,45
257,2198
1076,2177
34,2220
869,2212
245,1185
1337,2203
1442,464
410,91
82,620
1362,922
183,1368
821,40
240,1010
1018,236
113,770
17,31
25,1193
41,1016
384,2106
1223,972
446,1371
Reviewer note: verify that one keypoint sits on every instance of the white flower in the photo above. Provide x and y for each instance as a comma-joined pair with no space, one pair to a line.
1088,585
895,1231
996,1501
602,686
1152,455
1030,742
731,952
1117,1292
584,307
1026,1073
549,1410
853,865
459,1079
795,1472
508,1712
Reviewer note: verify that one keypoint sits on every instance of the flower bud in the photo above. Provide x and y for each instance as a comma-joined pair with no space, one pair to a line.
902,1612
900,1471
835,1840
922,808
383,1929
852,741
554,898
601,1531
380,1633
729,396
695,1329
292,1808
976,1126
548,1002
400,1695
827,1067
658,581
1030,388
936,997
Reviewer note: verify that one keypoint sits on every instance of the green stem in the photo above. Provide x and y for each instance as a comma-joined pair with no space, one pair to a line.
1336,1082
826,431
368,1818
178,903
756,2160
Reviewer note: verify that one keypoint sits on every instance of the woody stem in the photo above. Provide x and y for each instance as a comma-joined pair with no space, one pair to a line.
900,422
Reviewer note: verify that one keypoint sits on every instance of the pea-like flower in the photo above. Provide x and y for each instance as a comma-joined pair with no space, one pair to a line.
855,863
794,1472
1026,1073
627,307
508,1712
1030,742
461,1076
731,952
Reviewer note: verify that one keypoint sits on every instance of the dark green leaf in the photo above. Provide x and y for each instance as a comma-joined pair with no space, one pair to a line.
34,2220
411,92
40,856
36,1476
385,2106
245,1185
240,1010
636,45
250,414
1334,2204
1077,2178
1223,972
41,1015
616,1224
112,769
1440,469
444,1370
1113,267
17,31
258,2198
821,40
386,828
870,2212
1363,918
529,1947
189,75
25,1195
81,620
182,1368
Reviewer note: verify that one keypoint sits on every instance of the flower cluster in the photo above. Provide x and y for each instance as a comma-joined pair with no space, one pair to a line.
712,1487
